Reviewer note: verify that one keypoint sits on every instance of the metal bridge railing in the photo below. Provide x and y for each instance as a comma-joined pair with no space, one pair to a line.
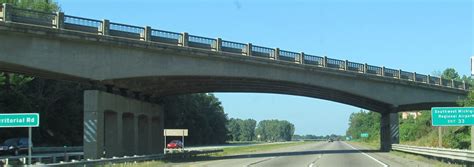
58,20
452,154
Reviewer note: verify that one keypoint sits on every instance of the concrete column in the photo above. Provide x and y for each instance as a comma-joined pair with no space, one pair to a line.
428,79
111,133
463,85
143,135
399,74
414,77
452,83
365,68
150,136
389,133
93,126
59,20
383,71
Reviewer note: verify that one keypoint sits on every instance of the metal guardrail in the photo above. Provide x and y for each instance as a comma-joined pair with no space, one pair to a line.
452,154
135,158
58,20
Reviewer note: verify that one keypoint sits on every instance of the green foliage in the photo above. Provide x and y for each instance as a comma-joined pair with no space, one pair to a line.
39,5
364,122
202,114
241,130
275,130
412,129
450,73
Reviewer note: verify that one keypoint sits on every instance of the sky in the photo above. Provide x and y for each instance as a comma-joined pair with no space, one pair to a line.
423,36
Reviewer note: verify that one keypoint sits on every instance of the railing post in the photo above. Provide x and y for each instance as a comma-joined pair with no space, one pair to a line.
58,20
104,29
249,49
345,65
440,81
276,54
325,61
399,73
414,76
184,39
146,35
464,85
6,12
452,83
301,58
383,71
365,68
428,78
218,46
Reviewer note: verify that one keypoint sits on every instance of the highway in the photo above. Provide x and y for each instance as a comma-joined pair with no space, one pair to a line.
313,154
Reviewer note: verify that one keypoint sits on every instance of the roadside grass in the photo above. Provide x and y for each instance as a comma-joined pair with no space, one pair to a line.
434,162
227,151
257,148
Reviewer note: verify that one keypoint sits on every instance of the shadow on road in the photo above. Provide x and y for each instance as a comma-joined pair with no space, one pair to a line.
262,155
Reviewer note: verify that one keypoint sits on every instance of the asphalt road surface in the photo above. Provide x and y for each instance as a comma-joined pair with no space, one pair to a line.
314,154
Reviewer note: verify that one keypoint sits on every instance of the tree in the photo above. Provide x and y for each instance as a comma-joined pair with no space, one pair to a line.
275,130
201,113
450,73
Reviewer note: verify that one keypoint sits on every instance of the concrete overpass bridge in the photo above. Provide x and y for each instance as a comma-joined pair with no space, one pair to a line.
160,63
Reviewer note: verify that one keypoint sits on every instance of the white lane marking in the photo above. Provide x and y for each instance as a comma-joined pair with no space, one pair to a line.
376,160
312,164
263,160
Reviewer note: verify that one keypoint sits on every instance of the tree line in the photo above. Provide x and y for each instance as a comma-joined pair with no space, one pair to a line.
266,130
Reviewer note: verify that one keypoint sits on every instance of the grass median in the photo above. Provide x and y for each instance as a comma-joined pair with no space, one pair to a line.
227,151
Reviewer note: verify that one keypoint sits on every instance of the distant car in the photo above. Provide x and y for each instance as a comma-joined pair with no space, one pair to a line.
14,146
175,144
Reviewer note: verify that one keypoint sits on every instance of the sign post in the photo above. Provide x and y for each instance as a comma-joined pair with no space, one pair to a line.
15,120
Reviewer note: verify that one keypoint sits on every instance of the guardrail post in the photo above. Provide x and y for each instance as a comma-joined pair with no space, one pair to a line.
276,54
218,46
301,58
325,61
105,27
146,35
365,68
383,71
58,20
184,39
6,12
345,65
249,49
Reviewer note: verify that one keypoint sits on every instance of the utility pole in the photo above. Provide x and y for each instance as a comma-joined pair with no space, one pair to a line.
440,137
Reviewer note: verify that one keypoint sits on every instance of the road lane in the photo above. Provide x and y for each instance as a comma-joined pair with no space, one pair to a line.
329,154
314,154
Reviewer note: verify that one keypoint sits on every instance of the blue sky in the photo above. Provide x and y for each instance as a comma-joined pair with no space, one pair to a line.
412,35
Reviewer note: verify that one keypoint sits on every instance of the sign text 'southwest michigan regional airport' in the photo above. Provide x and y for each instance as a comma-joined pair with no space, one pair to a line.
452,116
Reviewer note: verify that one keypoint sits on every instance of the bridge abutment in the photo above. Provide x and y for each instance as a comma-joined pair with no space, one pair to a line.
389,133
117,126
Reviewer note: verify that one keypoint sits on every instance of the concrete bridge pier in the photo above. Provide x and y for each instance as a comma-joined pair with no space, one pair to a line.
389,133
117,126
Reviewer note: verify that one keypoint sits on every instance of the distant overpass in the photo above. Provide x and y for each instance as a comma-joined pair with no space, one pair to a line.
162,63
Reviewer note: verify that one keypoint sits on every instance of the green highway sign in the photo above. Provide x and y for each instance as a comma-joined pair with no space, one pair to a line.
19,120
365,135
452,116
